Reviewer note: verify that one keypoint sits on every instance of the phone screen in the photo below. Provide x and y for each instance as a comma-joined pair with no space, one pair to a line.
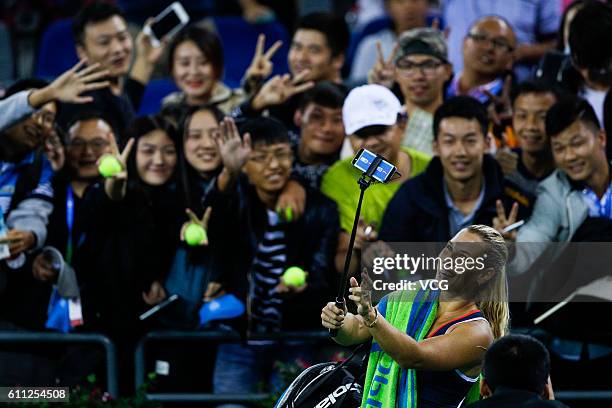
165,25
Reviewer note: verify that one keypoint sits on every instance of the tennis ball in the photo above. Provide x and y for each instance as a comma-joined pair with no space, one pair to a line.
288,214
109,166
294,276
195,234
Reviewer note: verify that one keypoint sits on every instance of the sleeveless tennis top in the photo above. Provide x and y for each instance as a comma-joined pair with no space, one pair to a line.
445,389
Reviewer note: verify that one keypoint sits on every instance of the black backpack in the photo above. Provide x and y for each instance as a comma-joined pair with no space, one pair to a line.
327,385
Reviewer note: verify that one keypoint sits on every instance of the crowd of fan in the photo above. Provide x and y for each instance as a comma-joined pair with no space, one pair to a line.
488,119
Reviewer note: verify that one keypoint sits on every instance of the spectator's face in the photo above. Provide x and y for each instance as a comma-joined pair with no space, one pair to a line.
309,50
387,143
155,157
201,150
109,43
193,72
269,166
461,146
407,14
87,141
32,132
529,120
488,47
421,78
322,129
578,149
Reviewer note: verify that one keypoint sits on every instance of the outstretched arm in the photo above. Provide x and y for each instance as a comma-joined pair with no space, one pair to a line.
463,347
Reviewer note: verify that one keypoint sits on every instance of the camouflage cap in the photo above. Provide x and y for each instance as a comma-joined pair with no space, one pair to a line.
424,40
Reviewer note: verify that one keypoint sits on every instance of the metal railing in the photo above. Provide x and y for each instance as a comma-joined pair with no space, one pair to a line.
20,337
219,336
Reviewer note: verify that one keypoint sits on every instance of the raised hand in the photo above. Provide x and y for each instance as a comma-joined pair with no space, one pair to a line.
120,156
147,55
116,182
261,65
383,72
501,221
362,295
145,48
280,88
202,222
500,108
69,86
234,151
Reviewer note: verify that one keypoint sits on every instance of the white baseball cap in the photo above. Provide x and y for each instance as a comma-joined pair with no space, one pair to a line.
369,105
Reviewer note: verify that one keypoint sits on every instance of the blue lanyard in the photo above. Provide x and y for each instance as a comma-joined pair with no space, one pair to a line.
69,222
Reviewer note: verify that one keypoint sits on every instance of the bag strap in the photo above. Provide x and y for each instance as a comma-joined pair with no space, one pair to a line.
327,375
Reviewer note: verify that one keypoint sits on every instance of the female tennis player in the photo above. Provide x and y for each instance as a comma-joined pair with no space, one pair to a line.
428,346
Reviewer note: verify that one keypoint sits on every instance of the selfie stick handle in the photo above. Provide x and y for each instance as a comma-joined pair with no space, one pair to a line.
364,183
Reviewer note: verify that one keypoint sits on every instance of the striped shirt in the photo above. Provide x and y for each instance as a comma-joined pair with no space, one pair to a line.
268,266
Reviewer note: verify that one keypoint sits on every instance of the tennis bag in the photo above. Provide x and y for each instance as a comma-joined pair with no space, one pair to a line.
327,385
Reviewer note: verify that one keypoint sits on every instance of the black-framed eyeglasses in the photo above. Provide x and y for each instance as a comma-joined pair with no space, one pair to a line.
410,68
498,44
261,157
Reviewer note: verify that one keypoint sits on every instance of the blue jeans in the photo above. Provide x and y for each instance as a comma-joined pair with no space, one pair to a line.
242,368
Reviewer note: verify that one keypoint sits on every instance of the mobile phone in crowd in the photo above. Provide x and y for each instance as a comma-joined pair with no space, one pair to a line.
167,23
375,166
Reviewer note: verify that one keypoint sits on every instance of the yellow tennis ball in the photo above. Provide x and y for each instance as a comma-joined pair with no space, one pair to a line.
294,276
109,166
195,234
288,214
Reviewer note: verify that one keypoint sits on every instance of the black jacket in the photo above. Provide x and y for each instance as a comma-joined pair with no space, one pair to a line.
510,398
311,243
418,212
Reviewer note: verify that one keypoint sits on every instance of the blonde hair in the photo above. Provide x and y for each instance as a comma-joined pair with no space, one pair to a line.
494,299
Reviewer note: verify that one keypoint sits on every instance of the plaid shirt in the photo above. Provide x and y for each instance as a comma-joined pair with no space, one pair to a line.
419,131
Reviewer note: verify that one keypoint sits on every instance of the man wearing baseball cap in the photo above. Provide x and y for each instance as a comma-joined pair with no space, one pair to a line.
421,71
374,120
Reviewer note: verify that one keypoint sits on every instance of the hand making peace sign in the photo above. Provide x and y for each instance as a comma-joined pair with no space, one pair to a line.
202,222
280,88
501,221
261,65
383,72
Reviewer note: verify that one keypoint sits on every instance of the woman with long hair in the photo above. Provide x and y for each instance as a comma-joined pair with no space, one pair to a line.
428,345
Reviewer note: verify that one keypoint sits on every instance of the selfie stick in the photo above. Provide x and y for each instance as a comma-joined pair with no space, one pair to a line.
364,182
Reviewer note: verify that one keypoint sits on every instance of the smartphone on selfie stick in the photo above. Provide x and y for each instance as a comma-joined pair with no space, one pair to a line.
374,169
167,23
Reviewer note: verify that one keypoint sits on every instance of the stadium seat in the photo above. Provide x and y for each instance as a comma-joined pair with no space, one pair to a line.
239,38
57,52
156,90
6,55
